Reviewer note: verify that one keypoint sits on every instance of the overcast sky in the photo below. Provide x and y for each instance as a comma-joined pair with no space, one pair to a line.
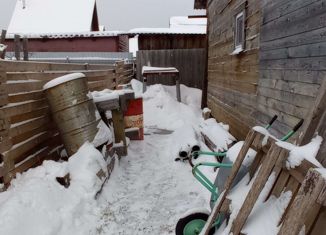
124,14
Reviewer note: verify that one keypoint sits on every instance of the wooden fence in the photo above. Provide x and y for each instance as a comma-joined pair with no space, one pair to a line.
190,63
28,135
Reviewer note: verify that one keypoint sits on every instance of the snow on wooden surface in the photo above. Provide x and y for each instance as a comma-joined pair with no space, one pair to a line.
185,21
299,153
184,30
52,16
149,69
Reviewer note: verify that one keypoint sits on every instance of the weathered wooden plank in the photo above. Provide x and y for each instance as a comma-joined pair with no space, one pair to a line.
287,97
119,129
19,149
24,66
306,197
293,75
292,87
301,171
302,20
24,107
263,174
250,138
310,37
277,9
17,87
28,125
22,97
41,111
48,75
307,63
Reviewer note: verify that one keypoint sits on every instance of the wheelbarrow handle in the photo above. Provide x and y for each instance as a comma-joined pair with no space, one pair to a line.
299,124
273,120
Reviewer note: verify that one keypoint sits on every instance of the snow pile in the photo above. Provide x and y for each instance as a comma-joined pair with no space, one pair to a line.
218,133
162,111
103,135
107,94
36,203
63,79
299,153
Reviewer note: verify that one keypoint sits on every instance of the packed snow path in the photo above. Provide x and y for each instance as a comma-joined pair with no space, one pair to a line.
149,191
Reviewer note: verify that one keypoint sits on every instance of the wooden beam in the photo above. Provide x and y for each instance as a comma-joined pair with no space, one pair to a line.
25,48
17,46
308,194
2,41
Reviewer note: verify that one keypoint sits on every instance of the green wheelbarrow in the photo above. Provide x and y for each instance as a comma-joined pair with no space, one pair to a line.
193,223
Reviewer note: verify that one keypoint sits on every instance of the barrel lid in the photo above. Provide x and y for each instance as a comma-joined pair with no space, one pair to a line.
63,79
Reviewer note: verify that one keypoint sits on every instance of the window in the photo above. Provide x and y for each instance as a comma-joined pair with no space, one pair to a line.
239,34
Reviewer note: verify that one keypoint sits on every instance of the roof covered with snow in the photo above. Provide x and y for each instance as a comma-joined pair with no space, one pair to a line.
184,21
178,25
52,16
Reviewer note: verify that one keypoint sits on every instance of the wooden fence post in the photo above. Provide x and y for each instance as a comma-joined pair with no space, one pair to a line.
17,46
2,41
119,71
5,143
25,48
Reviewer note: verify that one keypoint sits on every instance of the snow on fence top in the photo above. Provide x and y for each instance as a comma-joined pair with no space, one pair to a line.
52,16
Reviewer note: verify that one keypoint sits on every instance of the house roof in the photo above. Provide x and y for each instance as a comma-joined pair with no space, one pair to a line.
52,16
178,25
200,4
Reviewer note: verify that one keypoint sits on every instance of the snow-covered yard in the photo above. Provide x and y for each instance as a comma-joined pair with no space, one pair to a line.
147,193
148,190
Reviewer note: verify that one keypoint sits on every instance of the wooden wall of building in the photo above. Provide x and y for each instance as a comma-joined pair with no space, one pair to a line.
232,79
292,60
171,41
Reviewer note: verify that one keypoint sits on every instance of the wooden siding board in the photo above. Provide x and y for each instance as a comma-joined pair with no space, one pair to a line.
296,22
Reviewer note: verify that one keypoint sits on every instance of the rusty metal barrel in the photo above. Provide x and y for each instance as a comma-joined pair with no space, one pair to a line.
72,110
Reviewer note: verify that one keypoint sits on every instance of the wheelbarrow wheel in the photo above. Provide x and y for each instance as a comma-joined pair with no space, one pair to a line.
192,224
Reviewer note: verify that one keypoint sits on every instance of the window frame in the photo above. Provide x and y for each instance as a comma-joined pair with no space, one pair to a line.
239,43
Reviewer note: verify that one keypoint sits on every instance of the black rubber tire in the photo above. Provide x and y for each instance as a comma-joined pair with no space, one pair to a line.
184,221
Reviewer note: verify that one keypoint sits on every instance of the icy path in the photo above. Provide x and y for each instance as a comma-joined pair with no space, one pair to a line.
148,192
